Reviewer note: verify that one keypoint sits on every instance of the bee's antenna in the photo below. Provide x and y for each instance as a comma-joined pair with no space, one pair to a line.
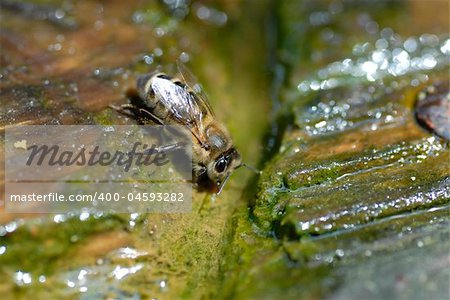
256,171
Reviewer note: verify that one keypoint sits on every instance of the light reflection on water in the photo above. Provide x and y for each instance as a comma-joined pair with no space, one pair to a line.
384,59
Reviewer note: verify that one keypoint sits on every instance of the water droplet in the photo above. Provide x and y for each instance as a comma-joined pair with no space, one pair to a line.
381,44
148,59
184,57
59,218
429,40
11,227
340,252
74,238
428,61
305,225
315,85
445,48
159,32
370,68
138,17
389,119
321,124
158,51
372,27
22,278
410,45
59,14
82,274
84,216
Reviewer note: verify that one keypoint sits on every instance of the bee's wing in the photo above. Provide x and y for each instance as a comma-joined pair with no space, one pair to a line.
184,105
178,100
191,81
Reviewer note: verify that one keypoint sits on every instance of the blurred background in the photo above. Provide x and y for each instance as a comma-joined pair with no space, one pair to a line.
344,105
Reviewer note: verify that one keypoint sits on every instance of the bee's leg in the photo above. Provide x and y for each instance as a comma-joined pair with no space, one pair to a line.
165,148
162,149
136,112
125,109
152,116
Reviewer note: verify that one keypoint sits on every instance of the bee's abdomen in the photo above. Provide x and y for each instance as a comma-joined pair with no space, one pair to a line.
157,107
145,89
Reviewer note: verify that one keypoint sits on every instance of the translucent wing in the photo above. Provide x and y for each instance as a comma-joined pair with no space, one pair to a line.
191,82
174,97
183,102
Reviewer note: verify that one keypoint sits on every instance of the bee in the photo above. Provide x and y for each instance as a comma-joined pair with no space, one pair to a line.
167,100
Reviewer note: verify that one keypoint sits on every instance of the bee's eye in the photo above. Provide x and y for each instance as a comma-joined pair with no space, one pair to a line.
221,165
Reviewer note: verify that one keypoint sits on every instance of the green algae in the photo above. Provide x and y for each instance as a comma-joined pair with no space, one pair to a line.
355,170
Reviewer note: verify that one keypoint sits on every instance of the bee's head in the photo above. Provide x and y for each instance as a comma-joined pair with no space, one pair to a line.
222,167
